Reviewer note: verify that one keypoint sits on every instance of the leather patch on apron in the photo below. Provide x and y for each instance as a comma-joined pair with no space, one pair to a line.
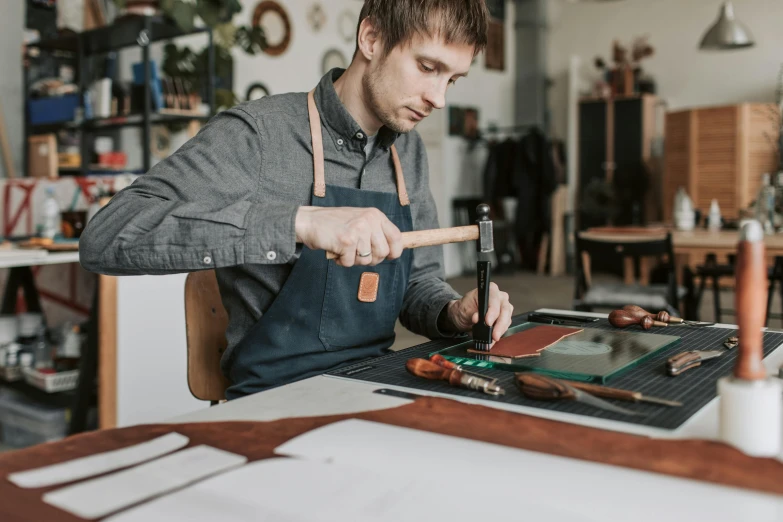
368,287
530,342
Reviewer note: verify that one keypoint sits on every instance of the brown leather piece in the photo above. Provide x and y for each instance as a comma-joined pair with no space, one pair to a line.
316,136
319,183
402,192
702,460
368,287
530,342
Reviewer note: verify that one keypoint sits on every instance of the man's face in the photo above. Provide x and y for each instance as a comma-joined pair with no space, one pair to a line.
404,88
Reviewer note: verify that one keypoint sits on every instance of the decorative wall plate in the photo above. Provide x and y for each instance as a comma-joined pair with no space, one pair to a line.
316,16
346,25
256,91
276,24
333,58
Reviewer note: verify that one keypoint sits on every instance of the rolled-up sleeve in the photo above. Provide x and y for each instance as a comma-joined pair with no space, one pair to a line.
197,209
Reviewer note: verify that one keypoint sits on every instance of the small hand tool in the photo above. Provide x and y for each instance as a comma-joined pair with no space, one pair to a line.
562,320
621,395
677,364
731,342
623,318
398,393
430,370
481,232
541,387
750,412
662,316
482,332
445,363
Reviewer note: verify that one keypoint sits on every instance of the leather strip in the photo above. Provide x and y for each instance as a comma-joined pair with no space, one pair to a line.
319,180
319,184
368,287
401,191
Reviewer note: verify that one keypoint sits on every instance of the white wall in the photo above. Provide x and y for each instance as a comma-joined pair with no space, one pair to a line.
152,383
11,97
686,77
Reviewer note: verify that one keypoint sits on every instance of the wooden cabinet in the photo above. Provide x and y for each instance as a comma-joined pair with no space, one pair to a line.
720,153
615,147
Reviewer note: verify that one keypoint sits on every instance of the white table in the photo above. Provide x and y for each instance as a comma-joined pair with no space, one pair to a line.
36,258
640,492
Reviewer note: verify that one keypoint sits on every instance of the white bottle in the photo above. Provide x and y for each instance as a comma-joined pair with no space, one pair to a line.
765,205
50,215
714,219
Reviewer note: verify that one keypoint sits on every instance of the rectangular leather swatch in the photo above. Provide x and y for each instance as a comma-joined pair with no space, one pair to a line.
530,342
368,287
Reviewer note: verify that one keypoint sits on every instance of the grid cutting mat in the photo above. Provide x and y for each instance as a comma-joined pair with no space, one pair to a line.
694,388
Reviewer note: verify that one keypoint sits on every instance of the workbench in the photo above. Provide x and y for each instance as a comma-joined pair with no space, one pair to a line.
596,491
644,495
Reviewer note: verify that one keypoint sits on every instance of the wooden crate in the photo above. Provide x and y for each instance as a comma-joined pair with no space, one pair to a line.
720,153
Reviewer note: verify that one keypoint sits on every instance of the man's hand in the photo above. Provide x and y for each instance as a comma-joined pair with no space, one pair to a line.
463,314
348,232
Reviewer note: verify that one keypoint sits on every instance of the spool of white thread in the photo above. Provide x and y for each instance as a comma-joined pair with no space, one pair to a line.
751,413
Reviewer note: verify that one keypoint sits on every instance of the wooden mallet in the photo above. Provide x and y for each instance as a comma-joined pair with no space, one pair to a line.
481,232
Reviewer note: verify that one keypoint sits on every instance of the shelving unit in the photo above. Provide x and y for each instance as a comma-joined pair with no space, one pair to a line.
125,32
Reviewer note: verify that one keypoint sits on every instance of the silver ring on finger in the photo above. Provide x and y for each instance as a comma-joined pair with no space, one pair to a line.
364,254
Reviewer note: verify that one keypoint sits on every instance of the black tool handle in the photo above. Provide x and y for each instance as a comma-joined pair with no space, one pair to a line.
484,273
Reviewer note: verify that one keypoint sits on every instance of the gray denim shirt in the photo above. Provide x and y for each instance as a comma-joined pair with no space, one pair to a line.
227,199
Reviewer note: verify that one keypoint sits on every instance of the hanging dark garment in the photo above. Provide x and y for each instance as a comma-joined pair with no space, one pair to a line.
536,181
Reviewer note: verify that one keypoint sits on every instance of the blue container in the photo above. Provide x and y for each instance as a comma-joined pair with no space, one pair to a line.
53,110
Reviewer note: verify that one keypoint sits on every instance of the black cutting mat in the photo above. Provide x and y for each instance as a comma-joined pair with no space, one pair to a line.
695,388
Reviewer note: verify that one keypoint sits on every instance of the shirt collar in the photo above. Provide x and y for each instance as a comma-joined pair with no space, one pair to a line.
334,113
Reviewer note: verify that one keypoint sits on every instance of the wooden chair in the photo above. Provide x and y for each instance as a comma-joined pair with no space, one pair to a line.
205,322
611,296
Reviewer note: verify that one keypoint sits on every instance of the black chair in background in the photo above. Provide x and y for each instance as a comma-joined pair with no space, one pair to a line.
712,271
653,297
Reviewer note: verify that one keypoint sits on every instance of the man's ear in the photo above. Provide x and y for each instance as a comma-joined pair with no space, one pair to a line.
368,41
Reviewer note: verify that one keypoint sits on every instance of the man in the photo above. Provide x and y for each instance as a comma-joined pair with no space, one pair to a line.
268,186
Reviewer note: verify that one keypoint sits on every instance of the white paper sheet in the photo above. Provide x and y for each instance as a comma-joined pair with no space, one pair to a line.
292,490
515,477
99,463
103,495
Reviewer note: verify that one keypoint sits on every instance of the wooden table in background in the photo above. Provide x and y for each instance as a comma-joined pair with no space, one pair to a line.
690,248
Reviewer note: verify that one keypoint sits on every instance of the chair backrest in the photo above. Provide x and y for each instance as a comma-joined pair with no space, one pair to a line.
619,246
206,321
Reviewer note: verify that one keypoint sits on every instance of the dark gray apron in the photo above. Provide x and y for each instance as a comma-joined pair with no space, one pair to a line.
317,322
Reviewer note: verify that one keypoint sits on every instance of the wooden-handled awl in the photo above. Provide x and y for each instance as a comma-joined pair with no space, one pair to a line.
751,405
481,232
429,370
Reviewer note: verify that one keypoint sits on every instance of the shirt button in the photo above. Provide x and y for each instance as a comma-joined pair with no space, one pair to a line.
359,135
271,256
339,141
207,260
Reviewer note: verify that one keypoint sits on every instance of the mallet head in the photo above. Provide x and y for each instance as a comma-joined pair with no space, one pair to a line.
486,242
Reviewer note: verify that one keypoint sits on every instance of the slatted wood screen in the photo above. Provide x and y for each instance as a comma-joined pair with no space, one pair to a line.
719,153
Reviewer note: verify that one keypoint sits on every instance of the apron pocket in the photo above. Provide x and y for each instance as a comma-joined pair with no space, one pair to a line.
347,321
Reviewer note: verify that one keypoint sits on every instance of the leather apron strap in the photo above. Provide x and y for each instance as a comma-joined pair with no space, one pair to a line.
319,181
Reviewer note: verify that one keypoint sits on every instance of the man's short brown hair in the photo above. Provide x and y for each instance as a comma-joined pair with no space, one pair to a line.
455,21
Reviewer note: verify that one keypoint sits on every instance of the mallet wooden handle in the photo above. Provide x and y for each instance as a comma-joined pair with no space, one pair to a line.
750,302
437,236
